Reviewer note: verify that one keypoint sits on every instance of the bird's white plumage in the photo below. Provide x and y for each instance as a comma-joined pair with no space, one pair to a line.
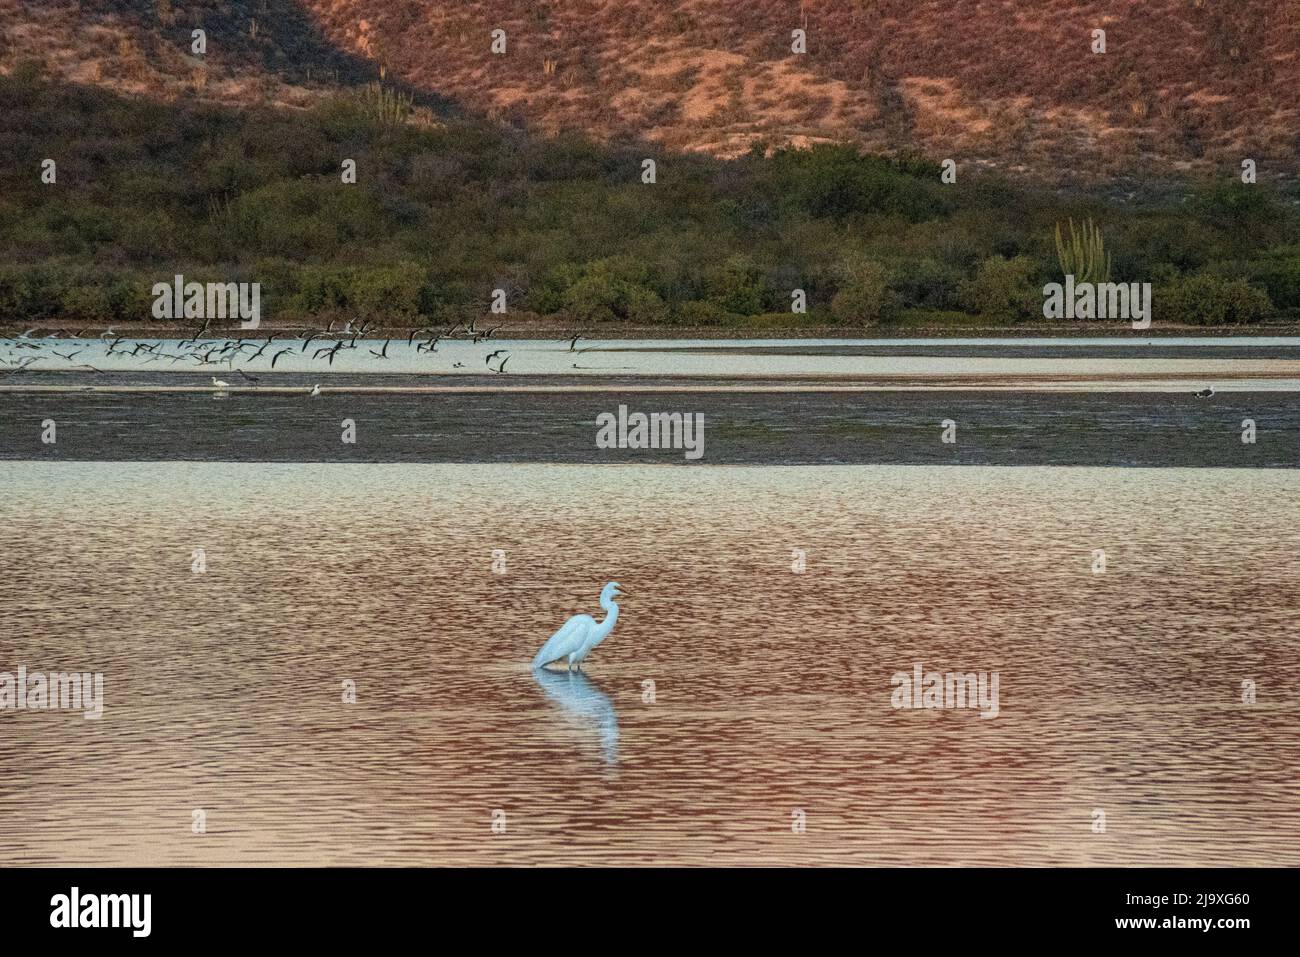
568,640
581,633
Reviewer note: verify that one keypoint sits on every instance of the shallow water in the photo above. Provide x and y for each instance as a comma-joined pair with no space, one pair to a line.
1119,692
992,427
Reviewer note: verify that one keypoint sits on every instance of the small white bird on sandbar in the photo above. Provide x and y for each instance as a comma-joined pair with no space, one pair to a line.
581,633
219,384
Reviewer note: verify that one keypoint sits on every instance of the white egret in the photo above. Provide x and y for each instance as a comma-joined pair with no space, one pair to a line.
581,633
219,384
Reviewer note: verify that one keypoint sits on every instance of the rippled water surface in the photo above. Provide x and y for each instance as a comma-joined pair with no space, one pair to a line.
1119,692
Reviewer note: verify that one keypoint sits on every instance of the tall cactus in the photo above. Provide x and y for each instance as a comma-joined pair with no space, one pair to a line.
1084,255
386,105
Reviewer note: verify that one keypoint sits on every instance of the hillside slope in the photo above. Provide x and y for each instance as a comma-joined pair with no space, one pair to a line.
1184,84
258,51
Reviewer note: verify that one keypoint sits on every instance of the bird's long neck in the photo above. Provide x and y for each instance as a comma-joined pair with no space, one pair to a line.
607,625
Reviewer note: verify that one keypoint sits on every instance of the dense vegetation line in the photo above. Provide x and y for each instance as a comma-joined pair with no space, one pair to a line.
443,212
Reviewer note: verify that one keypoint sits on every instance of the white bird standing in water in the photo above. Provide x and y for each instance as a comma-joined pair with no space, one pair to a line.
219,384
581,633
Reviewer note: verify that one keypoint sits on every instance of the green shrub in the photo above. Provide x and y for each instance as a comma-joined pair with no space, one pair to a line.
613,290
88,304
1209,300
388,292
1002,289
840,180
929,284
1279,276
697,313
31,292
736,285
601,298
1246,213
864,295
394,292
1181,241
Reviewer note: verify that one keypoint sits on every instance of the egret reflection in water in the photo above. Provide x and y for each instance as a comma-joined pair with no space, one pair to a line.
589,708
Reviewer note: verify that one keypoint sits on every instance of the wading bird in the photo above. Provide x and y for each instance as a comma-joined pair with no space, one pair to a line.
219,384
581,633
315,390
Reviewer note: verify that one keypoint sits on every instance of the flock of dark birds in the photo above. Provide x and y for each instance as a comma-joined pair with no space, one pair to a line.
207,351
225,352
